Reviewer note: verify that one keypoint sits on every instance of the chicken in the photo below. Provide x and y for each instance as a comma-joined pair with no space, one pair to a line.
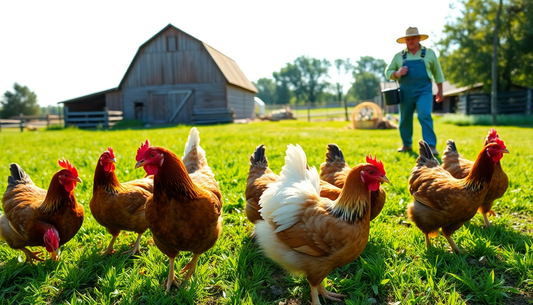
335,170
260,175
442,201
36,217
459,167
119,206
184,211
309,234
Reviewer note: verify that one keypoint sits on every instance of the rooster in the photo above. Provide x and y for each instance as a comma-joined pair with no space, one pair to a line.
184,211
459,167
260,175
442,201
309,234
35,217
119,206
335,170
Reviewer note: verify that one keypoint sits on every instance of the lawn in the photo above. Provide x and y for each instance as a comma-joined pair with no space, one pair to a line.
395,268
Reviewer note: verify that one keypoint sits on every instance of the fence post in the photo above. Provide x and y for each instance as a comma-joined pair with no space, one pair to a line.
528,103
106,118
467,103
65,111
21,122
48,121
309,111
346,109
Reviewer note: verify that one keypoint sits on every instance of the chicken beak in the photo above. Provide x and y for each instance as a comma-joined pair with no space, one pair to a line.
139,164
54,256
384,179
113,160
505,151
78,179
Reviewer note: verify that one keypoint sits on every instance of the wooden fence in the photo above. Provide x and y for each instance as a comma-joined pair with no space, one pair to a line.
30,121
92,119
515,102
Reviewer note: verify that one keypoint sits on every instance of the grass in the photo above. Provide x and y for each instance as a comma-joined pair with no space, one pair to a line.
486,120
395,268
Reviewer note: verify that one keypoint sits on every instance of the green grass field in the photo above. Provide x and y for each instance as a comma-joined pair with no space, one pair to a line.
395,268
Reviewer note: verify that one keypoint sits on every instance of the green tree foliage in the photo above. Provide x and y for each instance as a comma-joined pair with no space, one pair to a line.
343,67
266,90
368,73
283,91
466,46
21,100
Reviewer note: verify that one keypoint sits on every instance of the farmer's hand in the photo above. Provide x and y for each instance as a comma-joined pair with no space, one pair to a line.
401,72
440,97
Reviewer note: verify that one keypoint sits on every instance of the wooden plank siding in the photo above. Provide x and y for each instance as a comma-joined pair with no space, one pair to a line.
241,101
113,100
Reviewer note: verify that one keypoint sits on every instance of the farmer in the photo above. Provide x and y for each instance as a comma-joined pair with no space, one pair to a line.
414,68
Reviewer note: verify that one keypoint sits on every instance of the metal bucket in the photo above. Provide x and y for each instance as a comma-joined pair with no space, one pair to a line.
391,96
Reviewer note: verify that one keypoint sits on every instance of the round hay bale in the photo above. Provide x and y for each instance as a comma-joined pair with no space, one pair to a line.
366,115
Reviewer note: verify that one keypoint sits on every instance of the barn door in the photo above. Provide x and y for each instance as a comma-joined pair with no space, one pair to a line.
156,108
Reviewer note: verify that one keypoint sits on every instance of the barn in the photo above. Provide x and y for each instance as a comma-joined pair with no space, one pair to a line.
174,78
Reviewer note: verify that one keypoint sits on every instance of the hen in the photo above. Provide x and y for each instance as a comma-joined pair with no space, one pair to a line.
459,167
184,211
309,234
260,175
335,170
442,201
119,206
35,217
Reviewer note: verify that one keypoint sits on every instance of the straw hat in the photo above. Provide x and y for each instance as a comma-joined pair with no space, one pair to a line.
410,32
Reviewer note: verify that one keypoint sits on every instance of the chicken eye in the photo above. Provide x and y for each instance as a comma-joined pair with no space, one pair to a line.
152,155
371,172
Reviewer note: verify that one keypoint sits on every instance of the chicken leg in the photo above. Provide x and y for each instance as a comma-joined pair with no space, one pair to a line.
455,248
135,248
30,256
486,217
190,267
172,279
109,249
320,289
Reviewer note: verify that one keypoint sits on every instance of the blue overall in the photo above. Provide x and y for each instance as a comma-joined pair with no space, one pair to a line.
415,92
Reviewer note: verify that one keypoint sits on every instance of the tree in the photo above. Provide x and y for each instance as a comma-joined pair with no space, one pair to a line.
342,67
283,91
368,73
266,90
22,100
467,44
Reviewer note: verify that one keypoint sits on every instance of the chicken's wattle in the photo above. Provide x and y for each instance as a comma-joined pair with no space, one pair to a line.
151,169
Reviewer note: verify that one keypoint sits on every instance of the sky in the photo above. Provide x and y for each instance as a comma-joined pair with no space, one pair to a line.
66,49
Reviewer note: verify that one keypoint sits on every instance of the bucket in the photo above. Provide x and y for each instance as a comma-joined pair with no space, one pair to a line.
391,96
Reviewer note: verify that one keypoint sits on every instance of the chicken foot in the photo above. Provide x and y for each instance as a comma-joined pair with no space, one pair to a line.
428,242
172,279
30,256
190,267
109,249
486,217
320,289
452,244
136,247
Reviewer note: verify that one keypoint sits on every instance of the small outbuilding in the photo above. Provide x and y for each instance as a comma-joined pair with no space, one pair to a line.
174,78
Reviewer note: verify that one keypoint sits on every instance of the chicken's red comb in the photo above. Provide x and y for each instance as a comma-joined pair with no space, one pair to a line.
142,150
64,163
499,142
52,236
110,150
377,163
493,133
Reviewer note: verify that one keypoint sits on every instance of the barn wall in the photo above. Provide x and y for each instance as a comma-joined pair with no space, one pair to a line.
114,100
205,96
189,63
242,102
96,104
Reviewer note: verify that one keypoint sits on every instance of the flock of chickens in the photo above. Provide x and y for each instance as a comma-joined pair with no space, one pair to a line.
309,223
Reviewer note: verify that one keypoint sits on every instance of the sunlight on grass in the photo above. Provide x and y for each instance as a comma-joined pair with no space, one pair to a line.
395,266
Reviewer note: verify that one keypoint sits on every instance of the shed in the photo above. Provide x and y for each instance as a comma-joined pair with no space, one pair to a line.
174,78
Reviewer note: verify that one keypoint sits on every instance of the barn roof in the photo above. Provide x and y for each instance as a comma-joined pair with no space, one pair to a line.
227,66
88,97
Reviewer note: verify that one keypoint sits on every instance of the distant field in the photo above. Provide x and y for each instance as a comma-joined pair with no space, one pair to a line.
395,267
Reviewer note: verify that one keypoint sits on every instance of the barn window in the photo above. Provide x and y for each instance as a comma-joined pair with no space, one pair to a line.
172,44
139,111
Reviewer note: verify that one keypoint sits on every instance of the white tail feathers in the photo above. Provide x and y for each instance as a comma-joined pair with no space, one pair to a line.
283,201
192,142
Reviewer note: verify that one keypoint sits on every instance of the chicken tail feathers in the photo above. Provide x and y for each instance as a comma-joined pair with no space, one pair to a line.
18,176
450,147
258,158
194,155
334,154
426,156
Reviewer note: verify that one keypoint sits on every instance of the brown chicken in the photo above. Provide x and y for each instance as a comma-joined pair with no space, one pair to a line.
184,211
442,201
309,234
35,217
335,170
119,206
459,167
260,175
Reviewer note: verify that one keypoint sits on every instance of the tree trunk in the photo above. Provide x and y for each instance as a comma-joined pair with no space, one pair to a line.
494,93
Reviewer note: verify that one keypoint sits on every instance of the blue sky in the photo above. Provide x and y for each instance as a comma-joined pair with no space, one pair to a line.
65,49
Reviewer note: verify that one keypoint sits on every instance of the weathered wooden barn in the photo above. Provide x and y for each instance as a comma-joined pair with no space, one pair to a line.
174,78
